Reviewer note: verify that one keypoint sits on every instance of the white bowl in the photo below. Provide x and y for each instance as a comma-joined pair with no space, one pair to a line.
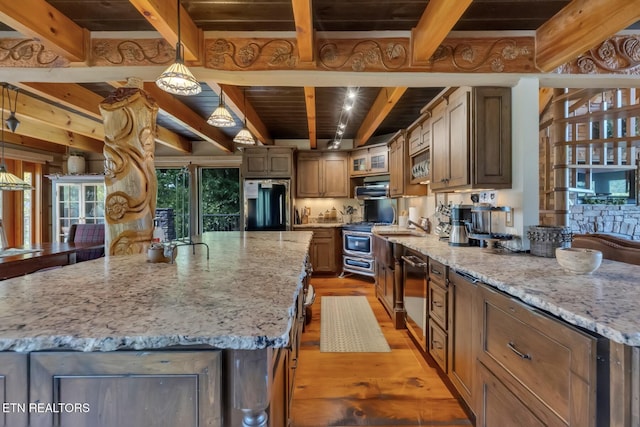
579,260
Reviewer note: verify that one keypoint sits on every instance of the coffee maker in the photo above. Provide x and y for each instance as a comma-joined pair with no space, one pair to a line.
460,221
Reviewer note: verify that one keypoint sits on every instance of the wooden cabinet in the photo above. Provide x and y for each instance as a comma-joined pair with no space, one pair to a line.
325,251
437,314
384,273
128,388
419,161
547,365
471,140
267,162
14,389
322,174
284,370
399,173
77,199
462,334
373,160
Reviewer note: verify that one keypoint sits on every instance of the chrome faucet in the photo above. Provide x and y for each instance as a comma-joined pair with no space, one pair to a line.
424,226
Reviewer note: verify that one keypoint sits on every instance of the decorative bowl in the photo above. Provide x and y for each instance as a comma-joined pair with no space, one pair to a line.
579,260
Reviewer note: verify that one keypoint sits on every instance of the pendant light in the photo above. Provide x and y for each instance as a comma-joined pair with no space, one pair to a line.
8,181
221,117
244,136
177,79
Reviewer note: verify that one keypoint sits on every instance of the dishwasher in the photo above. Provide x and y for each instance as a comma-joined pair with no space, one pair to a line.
414,279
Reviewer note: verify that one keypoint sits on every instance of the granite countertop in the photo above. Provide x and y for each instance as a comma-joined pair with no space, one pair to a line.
243,297
318,225
606,301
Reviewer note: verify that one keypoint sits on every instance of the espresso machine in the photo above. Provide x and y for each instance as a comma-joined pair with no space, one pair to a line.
460,226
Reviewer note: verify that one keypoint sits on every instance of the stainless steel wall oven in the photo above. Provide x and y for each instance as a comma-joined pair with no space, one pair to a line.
357,249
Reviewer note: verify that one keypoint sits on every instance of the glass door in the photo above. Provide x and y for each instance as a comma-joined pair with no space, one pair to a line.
68,202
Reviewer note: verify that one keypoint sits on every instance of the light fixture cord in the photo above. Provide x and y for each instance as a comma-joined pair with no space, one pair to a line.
179,44
244,101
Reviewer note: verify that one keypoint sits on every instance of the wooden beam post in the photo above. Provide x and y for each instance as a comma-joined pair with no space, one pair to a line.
580,26
310,100
387,98
435,24
303,16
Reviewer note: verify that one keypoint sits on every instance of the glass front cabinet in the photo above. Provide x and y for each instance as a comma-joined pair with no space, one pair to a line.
77,199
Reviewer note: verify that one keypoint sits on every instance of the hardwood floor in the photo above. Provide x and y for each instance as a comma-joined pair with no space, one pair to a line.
368,389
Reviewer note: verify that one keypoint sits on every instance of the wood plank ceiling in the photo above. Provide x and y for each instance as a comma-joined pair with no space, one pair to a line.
280,111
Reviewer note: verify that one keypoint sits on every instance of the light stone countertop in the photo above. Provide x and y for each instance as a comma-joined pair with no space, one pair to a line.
606,301
243,297
318,225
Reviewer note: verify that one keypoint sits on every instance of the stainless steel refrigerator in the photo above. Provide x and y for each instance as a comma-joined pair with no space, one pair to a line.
267,204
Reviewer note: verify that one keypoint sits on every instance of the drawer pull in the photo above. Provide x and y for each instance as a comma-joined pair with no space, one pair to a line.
436,272
513,348
437,345
437,304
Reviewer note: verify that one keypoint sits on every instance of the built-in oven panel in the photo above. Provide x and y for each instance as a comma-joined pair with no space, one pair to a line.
358,265
357,243
415,271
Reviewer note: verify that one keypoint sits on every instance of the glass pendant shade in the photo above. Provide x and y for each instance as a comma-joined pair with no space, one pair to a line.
178,80
221,117
10,182
244,137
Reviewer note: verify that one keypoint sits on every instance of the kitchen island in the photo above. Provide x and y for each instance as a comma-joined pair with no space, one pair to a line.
213,327
509,296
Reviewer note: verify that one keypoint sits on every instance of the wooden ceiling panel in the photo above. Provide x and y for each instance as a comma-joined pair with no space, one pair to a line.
367,15
241,15
329,101
99,15
499,15
407,110
282,109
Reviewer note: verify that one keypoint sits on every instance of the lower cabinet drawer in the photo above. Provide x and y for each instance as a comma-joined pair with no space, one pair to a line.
438,304
498,406
553,361
438,345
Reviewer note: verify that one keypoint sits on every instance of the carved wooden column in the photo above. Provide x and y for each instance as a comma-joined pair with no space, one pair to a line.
129,117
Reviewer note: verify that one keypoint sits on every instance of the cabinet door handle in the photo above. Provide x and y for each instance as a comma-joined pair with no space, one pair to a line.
513,348
437,344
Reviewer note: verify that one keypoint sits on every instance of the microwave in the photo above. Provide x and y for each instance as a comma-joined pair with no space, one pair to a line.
372,191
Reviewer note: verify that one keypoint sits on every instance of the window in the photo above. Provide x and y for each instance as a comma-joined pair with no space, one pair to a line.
220,199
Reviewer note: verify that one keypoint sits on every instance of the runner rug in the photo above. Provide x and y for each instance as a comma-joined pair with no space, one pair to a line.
347,324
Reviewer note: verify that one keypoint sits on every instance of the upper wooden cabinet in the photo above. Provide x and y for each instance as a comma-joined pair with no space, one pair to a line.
399,172
471,140
267,162
322,174
372,160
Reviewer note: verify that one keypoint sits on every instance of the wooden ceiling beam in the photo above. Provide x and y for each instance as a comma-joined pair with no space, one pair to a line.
254,122
580,26
544,98
85,101
387,98
163,16
303,17
39,20
310,100
186,117
435,24
34,129
47,114
38,144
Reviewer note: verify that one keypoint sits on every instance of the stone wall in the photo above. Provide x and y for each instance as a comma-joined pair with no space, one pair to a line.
622,220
